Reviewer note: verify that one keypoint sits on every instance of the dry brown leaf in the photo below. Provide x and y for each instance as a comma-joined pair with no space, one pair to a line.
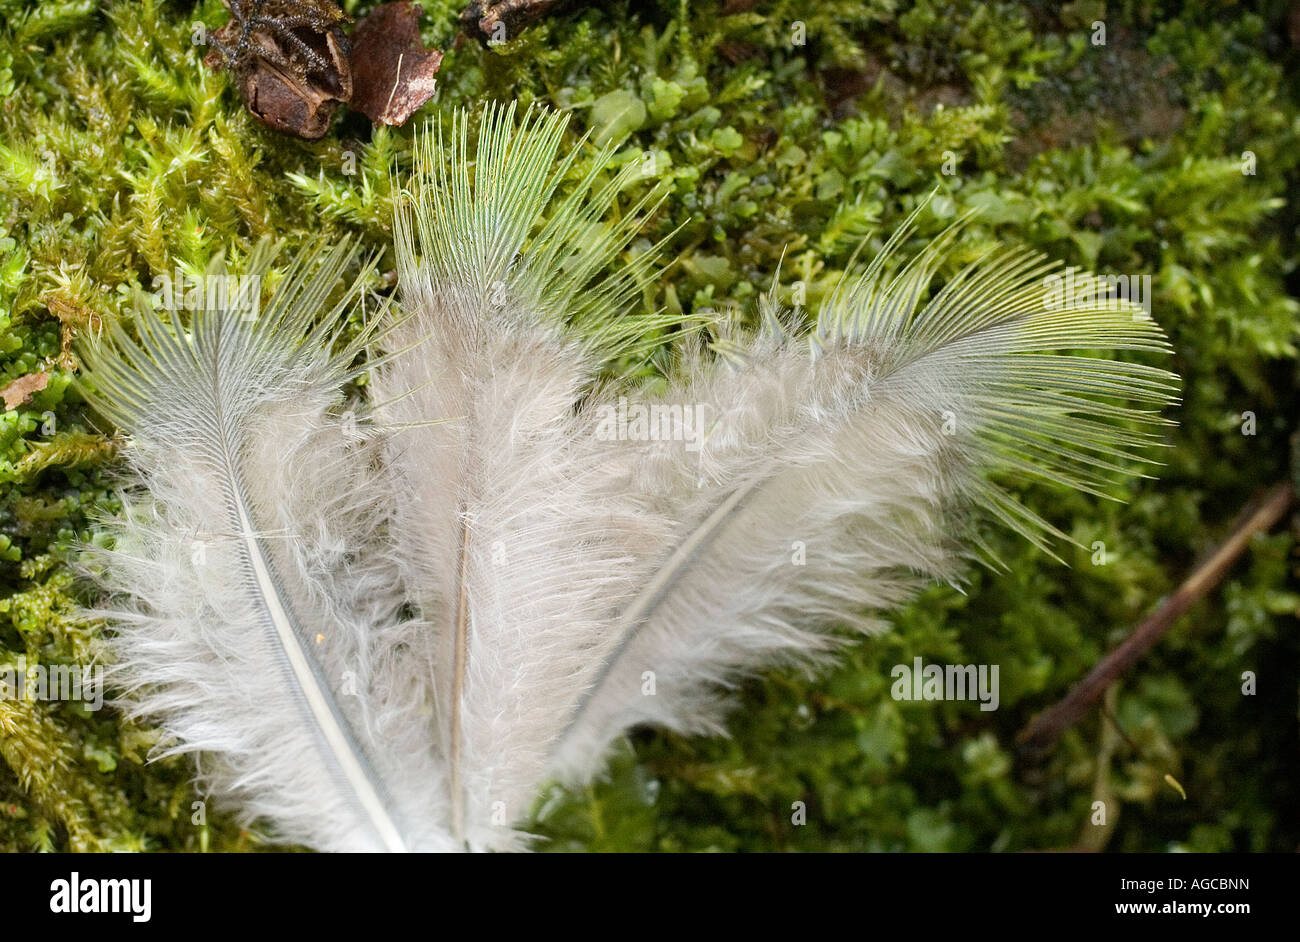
23,388
502,21
392,72
290,61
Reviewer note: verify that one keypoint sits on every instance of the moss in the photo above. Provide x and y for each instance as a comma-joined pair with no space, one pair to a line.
787,133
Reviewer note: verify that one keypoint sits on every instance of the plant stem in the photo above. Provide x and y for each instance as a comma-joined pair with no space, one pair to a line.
1047,727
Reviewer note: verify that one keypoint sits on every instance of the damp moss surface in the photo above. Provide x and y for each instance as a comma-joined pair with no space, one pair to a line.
1155,141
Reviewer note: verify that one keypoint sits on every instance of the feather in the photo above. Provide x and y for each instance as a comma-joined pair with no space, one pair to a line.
515,548
842,470
253,617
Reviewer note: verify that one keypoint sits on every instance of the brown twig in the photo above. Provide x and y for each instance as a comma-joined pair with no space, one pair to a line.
1048,725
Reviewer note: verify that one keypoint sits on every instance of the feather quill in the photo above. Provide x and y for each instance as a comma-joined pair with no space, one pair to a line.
253,619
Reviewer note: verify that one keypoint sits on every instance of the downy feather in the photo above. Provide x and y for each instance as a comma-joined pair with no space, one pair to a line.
840,471
253,614
514,546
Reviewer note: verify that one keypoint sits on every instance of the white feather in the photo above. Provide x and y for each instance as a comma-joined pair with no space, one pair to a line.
253,618
841,472
515,547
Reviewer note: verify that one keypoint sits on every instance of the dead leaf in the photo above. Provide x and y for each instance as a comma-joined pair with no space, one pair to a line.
501,22
392,72
23,388
289,59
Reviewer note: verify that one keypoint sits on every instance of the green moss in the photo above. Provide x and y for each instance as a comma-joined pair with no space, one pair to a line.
787,134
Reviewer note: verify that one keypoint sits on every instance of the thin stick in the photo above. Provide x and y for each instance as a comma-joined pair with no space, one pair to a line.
1048,725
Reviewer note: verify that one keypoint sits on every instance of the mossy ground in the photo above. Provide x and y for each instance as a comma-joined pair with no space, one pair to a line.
793,127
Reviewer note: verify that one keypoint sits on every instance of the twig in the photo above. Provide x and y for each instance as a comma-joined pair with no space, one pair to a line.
1048,725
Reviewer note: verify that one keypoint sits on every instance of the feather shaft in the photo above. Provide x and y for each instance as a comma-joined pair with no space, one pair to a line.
459,667
345,753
